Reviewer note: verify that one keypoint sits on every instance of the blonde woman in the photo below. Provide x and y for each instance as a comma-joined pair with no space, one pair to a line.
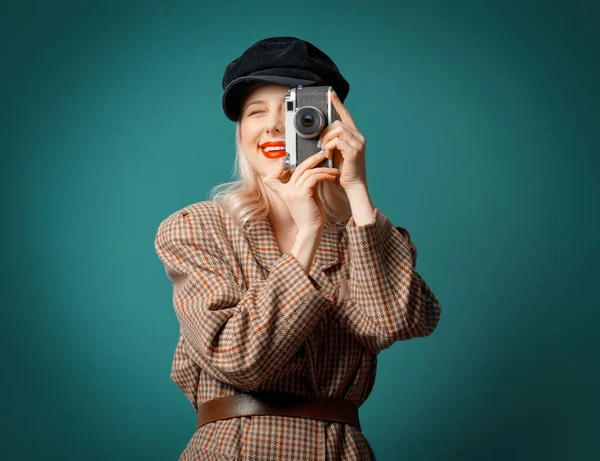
287,285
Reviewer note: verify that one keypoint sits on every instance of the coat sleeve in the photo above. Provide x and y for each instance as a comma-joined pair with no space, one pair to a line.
388,300
238,337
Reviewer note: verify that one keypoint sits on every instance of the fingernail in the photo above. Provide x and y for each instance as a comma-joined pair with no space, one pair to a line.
320,144
334,94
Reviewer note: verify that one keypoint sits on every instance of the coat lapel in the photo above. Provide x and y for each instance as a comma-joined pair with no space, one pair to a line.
263,244
265,249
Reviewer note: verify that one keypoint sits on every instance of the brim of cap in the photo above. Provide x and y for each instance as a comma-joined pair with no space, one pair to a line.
236,90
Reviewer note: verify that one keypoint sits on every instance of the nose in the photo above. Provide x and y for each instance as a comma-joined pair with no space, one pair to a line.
275,123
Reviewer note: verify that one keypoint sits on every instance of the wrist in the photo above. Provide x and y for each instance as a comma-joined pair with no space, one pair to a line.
307,239
357,189
308,233
361,205
305,247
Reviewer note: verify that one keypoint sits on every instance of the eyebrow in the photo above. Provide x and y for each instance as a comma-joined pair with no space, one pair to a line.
260,101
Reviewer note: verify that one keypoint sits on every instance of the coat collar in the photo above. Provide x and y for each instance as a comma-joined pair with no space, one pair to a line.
265,248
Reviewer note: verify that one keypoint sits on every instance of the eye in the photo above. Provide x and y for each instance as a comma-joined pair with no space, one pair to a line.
255,112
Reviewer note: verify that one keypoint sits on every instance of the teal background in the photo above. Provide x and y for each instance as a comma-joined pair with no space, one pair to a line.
481,120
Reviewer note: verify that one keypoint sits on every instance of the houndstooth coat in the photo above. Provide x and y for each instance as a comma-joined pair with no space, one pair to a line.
252,320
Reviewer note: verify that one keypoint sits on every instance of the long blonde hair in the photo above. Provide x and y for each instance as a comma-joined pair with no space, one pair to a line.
245,197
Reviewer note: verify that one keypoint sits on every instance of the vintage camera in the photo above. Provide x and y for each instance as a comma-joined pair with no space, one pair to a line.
308,110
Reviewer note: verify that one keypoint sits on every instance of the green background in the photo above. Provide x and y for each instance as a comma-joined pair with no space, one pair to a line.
481,120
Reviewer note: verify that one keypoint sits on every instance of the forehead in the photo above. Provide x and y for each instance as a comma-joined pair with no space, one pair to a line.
266,92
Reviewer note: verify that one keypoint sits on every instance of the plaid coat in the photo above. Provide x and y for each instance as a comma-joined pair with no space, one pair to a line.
252,320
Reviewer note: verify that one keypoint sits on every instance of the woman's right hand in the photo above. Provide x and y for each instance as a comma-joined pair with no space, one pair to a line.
299,193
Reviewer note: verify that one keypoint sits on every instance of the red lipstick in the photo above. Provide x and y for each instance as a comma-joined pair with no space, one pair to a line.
274,153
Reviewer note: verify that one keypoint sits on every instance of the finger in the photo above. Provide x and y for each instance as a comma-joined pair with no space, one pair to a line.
312,180
343,132
341,144
328,128
328,152
277,171
273,179
341,110
306,165
335,130
337,127
319,203
324,170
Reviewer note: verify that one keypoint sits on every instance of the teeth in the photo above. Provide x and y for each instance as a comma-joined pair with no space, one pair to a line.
271,149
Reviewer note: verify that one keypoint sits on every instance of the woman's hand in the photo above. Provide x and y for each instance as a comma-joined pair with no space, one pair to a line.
299,193
342,140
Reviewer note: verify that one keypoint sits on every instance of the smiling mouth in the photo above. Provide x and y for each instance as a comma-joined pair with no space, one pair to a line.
277,153
273,149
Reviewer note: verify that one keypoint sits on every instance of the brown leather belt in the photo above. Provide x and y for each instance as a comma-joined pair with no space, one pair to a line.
278,404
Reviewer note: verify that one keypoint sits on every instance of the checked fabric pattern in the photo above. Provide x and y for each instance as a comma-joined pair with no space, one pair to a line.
252,320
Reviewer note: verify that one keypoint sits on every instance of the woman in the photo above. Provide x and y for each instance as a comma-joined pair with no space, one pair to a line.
287,285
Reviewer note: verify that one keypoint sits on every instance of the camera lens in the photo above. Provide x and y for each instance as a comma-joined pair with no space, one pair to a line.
309,122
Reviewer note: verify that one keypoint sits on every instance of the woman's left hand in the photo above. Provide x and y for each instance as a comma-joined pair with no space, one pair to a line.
347,145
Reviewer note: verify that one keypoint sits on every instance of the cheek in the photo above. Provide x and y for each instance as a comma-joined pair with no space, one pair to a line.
245,137
249,129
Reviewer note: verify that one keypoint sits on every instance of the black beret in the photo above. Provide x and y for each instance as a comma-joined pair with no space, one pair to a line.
286,61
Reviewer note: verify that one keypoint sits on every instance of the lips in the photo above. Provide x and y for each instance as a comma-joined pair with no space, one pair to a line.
275,153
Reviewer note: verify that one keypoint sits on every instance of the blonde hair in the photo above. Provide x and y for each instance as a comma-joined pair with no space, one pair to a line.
245,197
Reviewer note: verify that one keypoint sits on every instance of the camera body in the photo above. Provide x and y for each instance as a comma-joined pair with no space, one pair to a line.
308,110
